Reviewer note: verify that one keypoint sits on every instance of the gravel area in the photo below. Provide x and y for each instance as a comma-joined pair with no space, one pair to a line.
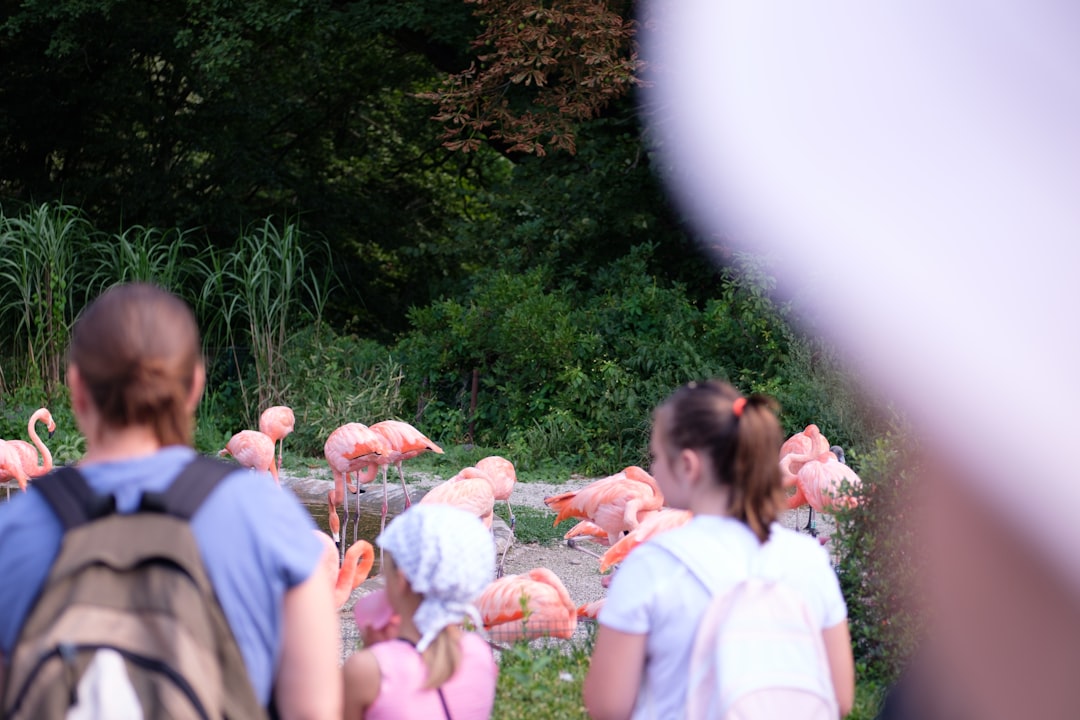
578,570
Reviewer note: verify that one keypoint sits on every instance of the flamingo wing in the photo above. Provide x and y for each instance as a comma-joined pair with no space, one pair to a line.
472,494
11,465
582,503
533,604
252,449
405,440
821,481
656,523
27,454
354,446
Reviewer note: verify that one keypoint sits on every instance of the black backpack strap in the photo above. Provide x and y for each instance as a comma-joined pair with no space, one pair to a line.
72,499
185,495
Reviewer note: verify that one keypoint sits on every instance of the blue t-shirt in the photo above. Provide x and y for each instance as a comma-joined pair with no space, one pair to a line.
255,539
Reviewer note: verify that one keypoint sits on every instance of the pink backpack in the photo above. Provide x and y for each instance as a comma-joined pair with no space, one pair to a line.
757,652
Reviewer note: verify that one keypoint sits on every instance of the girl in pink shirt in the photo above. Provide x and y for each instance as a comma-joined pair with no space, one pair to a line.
438,559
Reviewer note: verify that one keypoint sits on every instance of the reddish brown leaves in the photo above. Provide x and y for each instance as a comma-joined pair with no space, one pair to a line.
541,68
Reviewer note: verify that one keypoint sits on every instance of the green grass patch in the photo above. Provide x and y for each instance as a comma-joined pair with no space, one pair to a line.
542,681
535,525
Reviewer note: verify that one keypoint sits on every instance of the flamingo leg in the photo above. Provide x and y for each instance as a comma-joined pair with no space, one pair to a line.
382,521
356,522
408,501
345,491
510,511
573,543
500,570
811,526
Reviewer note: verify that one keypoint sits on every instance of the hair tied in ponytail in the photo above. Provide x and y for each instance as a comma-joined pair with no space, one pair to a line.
738,406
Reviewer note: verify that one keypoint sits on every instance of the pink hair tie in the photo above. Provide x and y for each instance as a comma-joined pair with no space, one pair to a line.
737,406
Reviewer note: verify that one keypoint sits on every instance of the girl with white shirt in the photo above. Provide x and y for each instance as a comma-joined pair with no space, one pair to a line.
714,453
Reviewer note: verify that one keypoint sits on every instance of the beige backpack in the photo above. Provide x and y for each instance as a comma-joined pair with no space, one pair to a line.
127,624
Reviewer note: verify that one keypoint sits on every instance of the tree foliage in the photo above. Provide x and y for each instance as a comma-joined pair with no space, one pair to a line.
540,69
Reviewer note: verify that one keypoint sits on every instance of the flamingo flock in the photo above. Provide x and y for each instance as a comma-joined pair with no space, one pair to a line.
818,472
616,513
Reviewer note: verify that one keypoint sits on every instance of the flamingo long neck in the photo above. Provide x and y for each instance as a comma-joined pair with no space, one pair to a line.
46,456
367,473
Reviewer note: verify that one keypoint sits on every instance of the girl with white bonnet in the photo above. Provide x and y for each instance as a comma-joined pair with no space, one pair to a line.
438,559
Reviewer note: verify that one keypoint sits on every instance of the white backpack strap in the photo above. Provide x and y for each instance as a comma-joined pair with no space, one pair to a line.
688,552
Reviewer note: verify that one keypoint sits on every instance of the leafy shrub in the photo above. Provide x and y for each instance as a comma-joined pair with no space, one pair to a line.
565,372
879,568
331,380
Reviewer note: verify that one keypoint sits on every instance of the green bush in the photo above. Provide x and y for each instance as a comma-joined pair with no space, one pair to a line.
330,380
566,373
879,568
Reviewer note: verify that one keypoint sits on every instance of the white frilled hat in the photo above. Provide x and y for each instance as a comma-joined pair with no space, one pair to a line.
448,556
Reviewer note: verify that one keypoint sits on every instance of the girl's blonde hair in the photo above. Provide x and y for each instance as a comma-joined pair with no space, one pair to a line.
442,657
741,438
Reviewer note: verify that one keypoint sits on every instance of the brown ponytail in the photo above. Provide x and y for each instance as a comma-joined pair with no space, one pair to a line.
742,440
137,349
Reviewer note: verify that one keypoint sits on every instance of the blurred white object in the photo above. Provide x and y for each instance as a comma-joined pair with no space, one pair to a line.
915,166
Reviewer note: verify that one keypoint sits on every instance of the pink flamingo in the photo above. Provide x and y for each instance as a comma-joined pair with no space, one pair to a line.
405,442
11,466
276,422
656,523
355,448
530,605
503,477
615,503
469,493
821,481
354,569
797,450
591,610
254,450
29,453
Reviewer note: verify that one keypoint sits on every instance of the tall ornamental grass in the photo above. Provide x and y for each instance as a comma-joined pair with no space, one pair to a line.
254,295
145,254
39,272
